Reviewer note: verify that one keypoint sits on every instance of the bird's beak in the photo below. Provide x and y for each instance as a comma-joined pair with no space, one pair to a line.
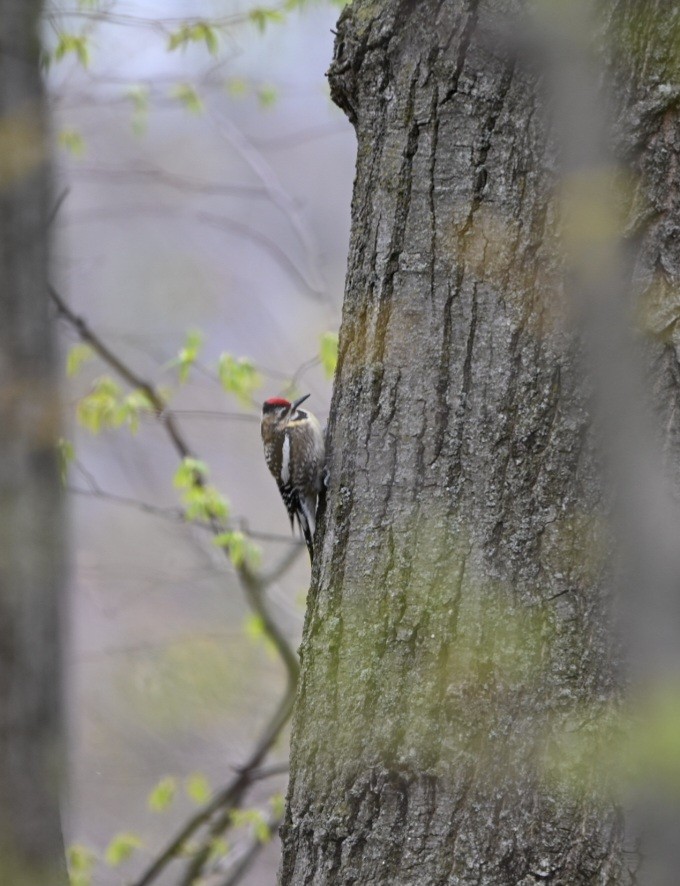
298,402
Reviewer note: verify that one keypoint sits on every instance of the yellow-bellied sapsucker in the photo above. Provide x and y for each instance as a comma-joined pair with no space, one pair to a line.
294,451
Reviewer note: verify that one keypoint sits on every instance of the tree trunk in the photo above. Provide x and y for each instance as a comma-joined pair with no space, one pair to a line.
459,605
31,574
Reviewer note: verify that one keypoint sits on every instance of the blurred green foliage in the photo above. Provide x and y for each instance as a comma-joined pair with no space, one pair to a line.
239,377
81,863
328,353
72,140
121,848
191,683
107,407
195,32
187,95
76,357
162,794
242,551
198,789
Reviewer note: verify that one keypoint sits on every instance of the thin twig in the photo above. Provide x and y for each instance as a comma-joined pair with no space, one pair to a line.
235,227
217,415
270,771
301,136
211,219
57,206
177,515
228,130
172,179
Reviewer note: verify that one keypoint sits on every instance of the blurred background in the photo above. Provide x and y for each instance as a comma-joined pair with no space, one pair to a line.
204,180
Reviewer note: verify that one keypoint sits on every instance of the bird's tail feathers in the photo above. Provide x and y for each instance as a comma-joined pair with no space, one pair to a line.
305,517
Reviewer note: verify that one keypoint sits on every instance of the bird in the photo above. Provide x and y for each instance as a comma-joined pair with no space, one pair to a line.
295,453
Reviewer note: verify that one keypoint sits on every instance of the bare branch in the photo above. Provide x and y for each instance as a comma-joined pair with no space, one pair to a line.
302,136
214,220
160,26
57,206
253,586
177,515
229,797
277,194
217,221
216,415
163,415
171,179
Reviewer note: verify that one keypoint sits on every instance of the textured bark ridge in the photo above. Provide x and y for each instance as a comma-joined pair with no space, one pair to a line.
31,533
458,610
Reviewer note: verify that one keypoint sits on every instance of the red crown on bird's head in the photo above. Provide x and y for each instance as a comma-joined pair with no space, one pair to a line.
277,401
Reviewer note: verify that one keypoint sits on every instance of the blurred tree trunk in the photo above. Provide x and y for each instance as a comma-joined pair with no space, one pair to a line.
31,573
459,607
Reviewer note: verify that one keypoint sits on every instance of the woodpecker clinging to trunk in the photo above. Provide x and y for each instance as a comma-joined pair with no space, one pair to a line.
294,451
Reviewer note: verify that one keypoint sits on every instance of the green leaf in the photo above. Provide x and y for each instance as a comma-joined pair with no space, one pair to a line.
211,41
261,17
139,96
205,503
254,627
189,353
189,848
278,805
100,408
239,377
66,453
262,831
132,406
255,630
162,795
241,550
81,862
121,848
73,44
71,140
140,400
198,32
179,38
218,848
198,789
267,95
237,87
237,549
75,358
328,353
255,819
188,472
187,95
205,32
235,543
105,407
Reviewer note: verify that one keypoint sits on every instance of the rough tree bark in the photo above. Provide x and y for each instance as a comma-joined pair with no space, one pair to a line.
31,847
459,607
